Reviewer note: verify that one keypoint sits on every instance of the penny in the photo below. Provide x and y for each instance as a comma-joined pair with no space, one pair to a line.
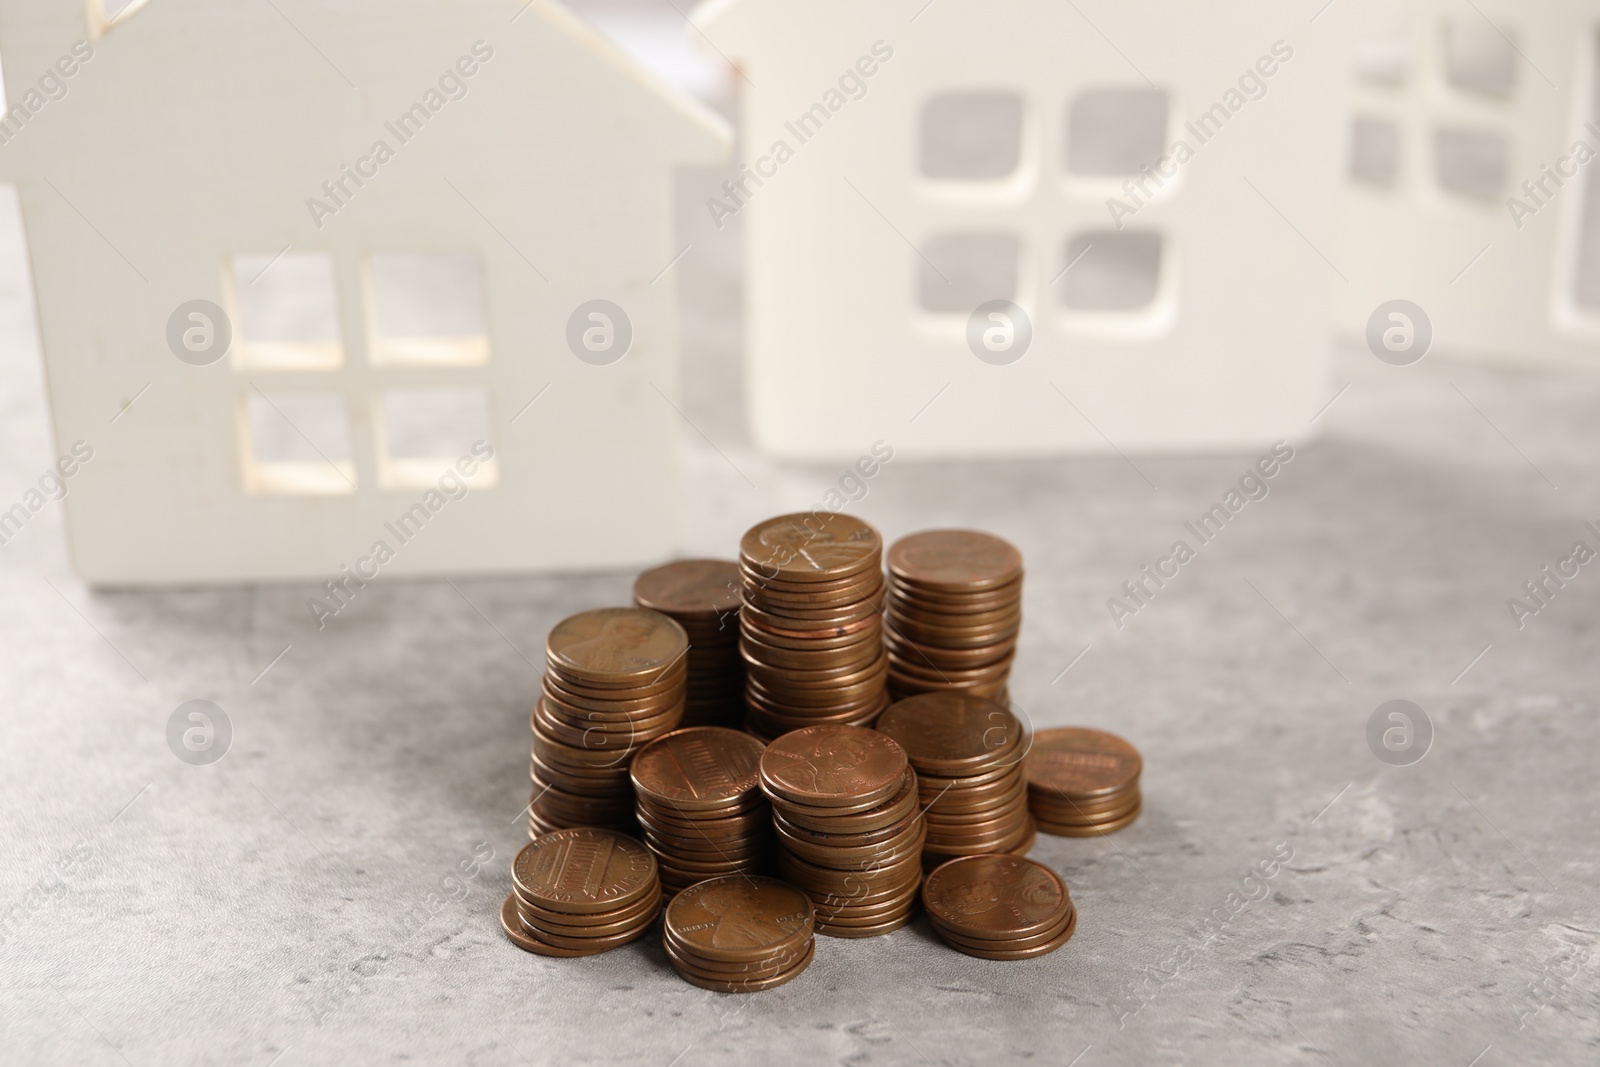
828,930
588,944
584,871
539,916
690,587
718,970
702,768
1020,954
948,733
744,986
1091,830
740,919
1082,762
810,547
954,559
995,896
833,766
523,940
616,644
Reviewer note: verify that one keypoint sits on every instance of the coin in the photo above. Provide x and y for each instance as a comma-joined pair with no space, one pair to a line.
1082,763
583,871
740,920
621,644
833,766
698,588
997,951
959,560
820,546
743,986
951,733
995,896
698,769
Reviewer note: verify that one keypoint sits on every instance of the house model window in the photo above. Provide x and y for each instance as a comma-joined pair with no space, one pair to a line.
1457,113
421,310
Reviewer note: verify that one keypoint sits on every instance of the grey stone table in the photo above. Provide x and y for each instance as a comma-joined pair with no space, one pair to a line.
1285,897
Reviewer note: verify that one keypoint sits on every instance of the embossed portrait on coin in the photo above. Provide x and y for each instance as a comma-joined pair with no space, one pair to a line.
739,921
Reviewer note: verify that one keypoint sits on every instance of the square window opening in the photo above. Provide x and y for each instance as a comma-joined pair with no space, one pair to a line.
959,271
970,136
1479,57
424,433
427,309
1116,132
1472,163
287,308
297,444
1111,270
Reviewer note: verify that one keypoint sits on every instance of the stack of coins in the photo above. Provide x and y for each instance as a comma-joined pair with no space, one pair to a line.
954,610
844,804
613,682
580,892
811,629
739,935
701,806
967,752
1082,782
702,596
1000,907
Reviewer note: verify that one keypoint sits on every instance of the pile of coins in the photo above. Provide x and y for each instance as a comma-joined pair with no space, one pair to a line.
968,753
844,804
581,892
739,935
954,611
701,806
613,682
811,628
999,907
1082,782
702,596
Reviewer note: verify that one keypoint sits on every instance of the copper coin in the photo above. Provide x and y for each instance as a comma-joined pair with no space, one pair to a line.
761,580
995,896
964,621
1082,763
512,925
674,676
852,656
559,754
948,733
834,910
821,612
783,637
1055,829
584,871
620,645
834,766
747,985
1023,954
866,931
954,560
773,598
1062,809
740,919
601,943
889,813
781,679
961,659
810,547
825,839
921,597
693,588
698,769
537,915
1009,944
724,971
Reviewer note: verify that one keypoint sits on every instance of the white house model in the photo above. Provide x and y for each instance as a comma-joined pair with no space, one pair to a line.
1152,184
341,288
1475,131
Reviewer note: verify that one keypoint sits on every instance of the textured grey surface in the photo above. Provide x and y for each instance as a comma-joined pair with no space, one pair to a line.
275,907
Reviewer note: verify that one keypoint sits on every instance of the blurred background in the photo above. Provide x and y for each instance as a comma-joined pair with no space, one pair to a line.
1443,465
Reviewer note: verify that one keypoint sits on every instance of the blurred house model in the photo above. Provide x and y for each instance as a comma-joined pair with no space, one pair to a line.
342,289
1475,130
910,168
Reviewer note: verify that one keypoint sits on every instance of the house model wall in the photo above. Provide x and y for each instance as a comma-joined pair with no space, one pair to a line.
1471,188
406,211
907,163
